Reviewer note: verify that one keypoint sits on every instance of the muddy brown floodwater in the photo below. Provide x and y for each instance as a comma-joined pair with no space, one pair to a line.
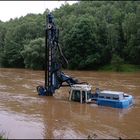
24,114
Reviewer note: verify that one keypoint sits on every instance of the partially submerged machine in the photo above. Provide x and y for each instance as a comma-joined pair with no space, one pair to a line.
54,77
83,94
79,91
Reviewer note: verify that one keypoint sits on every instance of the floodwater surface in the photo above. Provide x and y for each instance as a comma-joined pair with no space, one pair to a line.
24,114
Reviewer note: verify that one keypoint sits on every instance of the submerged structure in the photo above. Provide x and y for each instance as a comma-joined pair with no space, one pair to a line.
79,91
83,94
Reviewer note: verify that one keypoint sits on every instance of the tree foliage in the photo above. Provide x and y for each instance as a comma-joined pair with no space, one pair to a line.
34,54
92,34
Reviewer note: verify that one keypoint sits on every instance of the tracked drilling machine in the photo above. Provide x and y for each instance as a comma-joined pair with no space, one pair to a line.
54,77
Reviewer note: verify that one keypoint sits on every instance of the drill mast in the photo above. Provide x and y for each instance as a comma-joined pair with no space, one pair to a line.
54,77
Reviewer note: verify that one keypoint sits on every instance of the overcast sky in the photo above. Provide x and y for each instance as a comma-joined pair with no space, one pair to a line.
13,9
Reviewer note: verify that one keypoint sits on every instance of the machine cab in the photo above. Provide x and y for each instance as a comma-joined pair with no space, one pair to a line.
80,93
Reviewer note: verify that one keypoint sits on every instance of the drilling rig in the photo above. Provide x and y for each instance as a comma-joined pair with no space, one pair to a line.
80,92
54,77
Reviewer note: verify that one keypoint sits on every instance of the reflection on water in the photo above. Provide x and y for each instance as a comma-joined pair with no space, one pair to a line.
24,114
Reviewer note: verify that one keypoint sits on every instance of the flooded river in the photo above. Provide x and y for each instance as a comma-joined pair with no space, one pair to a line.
24,114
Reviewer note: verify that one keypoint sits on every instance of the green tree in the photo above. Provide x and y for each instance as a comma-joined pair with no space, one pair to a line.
33,54
81,43
90,32
131,28
20,32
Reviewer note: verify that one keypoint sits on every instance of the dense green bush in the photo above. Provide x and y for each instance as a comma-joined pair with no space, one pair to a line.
34,54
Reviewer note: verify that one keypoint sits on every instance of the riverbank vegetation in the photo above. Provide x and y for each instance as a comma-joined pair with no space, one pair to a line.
94,35
122,68
2,136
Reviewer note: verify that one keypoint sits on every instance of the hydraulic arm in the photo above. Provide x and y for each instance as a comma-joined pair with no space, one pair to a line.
54,77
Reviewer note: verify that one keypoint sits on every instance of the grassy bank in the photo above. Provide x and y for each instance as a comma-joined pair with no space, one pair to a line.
2,137
123,68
